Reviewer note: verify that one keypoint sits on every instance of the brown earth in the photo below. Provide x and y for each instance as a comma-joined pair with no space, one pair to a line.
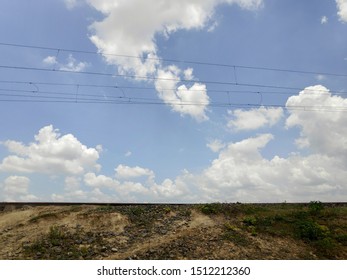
140,232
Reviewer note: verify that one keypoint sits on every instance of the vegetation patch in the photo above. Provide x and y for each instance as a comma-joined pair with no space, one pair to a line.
62,243
235,235
43,216
313,230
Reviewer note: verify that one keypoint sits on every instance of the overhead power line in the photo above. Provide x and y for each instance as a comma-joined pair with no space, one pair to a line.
176,60
117,87
24,68
66,97
225,105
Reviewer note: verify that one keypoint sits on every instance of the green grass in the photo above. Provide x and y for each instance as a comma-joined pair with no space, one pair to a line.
43,216
322,228
235,235
63,244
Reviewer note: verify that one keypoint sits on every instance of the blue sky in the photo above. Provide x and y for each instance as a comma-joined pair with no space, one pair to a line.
205,114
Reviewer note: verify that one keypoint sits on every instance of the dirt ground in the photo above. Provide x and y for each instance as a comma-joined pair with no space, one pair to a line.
163,232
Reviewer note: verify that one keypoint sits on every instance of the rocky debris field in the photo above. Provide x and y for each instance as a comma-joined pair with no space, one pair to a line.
204,231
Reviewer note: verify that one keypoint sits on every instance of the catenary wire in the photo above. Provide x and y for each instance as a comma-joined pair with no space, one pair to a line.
36,83
176,60
150,101
24,68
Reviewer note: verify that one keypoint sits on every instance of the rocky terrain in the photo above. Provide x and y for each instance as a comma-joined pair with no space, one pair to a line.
207,231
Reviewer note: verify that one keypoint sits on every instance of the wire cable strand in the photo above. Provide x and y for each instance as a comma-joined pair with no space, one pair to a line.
25,68
176,60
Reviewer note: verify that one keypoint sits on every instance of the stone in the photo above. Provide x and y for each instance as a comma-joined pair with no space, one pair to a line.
103,249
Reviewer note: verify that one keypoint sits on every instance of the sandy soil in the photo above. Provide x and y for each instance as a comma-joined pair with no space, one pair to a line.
92,232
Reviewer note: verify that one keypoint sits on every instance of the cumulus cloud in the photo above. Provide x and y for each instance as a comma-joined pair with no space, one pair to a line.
241,173
71,64
185,100
100,181
131,27
215,145
16,185
254,118
127,172
16,188
342,9
321,118
51,153
50,60
125,191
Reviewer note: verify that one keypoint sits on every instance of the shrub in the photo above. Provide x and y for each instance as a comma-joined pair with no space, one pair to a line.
315,207
311,230
250,221
234,235
213,208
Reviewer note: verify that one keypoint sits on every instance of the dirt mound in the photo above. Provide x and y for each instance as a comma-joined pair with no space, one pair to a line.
171,232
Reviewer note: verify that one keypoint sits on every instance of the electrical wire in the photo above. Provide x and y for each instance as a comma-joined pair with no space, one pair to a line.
37,95
64,97
175,60
178,80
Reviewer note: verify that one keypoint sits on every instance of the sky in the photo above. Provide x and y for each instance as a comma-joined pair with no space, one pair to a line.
179,101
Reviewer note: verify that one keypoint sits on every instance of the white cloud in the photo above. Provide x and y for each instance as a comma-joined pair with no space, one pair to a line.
16,188
321,118
254,118
100,181
151,191
51,153
127,172
324,20
71,65
169,190
50,60
130,28
191,101
128,154
215,145
16,185
188,74
241,173
342,9
125,191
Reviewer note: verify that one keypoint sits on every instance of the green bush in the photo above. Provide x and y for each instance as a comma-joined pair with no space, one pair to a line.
233,234
250,221
315,207
213,208
311,230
